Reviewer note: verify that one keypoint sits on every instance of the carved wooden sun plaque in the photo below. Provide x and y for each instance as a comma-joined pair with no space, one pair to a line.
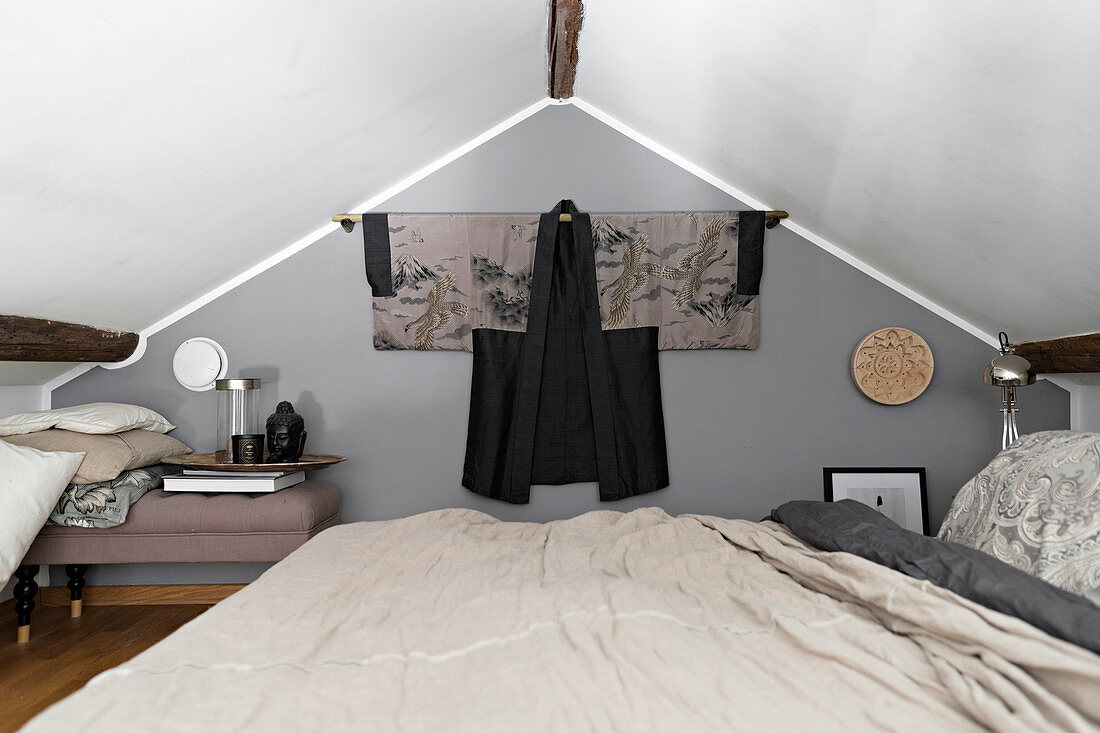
892,366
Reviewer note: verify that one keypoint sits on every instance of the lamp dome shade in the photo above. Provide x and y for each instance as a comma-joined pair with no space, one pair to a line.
1009,370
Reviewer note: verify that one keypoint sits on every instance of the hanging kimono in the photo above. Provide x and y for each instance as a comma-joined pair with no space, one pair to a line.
565,321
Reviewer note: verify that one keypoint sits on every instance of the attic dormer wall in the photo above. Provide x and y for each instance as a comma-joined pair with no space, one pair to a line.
747,430
21,398
1085,408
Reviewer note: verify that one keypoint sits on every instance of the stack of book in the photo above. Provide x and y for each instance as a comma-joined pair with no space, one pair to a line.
210,482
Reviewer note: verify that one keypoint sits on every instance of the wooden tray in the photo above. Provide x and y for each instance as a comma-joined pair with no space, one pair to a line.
207,462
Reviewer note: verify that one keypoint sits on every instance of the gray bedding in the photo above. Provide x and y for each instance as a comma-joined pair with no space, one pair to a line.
849,526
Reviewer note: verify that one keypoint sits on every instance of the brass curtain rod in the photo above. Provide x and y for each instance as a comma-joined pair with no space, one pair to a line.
348,221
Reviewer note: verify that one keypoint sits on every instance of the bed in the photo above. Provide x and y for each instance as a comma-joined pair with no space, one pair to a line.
453,620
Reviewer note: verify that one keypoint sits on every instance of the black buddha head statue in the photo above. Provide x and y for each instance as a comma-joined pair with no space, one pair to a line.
286,434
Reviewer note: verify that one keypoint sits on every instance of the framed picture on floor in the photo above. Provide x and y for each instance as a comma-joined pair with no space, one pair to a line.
899,493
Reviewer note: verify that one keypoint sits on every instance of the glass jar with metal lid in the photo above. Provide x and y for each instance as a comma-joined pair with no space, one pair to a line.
238,412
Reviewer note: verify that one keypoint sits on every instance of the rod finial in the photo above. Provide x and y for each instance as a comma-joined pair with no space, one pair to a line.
772,218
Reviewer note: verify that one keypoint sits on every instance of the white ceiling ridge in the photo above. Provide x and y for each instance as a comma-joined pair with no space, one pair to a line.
484,137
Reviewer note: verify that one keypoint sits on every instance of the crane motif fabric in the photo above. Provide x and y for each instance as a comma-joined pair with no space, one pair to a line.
437,314
565,321
694,275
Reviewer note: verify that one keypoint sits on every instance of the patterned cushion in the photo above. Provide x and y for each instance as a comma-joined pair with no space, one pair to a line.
1037,506
106,504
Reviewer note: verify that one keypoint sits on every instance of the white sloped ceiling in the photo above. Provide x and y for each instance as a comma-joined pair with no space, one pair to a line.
153,150
952,146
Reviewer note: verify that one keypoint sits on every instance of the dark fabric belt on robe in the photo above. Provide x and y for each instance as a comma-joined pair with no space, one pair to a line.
565,401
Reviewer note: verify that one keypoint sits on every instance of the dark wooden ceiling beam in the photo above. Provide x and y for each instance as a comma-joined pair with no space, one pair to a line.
564,31
38,339
1070,355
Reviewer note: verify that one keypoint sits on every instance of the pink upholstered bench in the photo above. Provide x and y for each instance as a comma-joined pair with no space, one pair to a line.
181,527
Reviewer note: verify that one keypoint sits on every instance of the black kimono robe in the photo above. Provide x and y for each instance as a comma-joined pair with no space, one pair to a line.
565,321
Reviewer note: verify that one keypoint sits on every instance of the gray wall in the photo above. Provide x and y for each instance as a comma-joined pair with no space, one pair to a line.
747,430
16,399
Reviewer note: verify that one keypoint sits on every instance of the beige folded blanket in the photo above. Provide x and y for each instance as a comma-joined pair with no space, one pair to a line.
453,620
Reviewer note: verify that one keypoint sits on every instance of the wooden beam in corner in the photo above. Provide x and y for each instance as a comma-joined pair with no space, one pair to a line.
38,339
1070,355
564,31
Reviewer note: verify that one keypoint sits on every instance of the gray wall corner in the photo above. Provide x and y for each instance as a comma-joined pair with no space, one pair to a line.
746,430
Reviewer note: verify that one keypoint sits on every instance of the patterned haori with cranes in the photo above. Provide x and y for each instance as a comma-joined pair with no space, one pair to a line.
682,272
565,321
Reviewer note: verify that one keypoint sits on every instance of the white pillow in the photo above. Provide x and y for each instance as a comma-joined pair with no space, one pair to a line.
31,482
96,418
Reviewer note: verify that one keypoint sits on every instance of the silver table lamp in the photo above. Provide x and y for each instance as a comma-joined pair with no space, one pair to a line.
1008,371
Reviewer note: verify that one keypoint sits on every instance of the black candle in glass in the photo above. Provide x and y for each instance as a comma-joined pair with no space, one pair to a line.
248,448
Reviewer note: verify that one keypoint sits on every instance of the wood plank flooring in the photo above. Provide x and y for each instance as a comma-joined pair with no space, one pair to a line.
64,653
140,595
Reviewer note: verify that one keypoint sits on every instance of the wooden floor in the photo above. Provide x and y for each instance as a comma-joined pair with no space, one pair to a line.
64,653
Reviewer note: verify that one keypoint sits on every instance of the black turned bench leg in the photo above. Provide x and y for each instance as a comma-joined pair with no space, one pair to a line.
76,587
24,591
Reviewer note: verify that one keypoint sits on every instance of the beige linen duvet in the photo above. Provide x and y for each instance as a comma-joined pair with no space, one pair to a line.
453,620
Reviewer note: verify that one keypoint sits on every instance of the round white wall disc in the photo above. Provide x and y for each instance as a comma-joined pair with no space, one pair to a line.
198,363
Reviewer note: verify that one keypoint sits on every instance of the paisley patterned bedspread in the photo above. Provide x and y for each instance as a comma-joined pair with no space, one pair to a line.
1036,506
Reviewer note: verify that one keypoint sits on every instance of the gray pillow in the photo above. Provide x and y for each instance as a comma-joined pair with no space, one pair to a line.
1036,506
106,504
